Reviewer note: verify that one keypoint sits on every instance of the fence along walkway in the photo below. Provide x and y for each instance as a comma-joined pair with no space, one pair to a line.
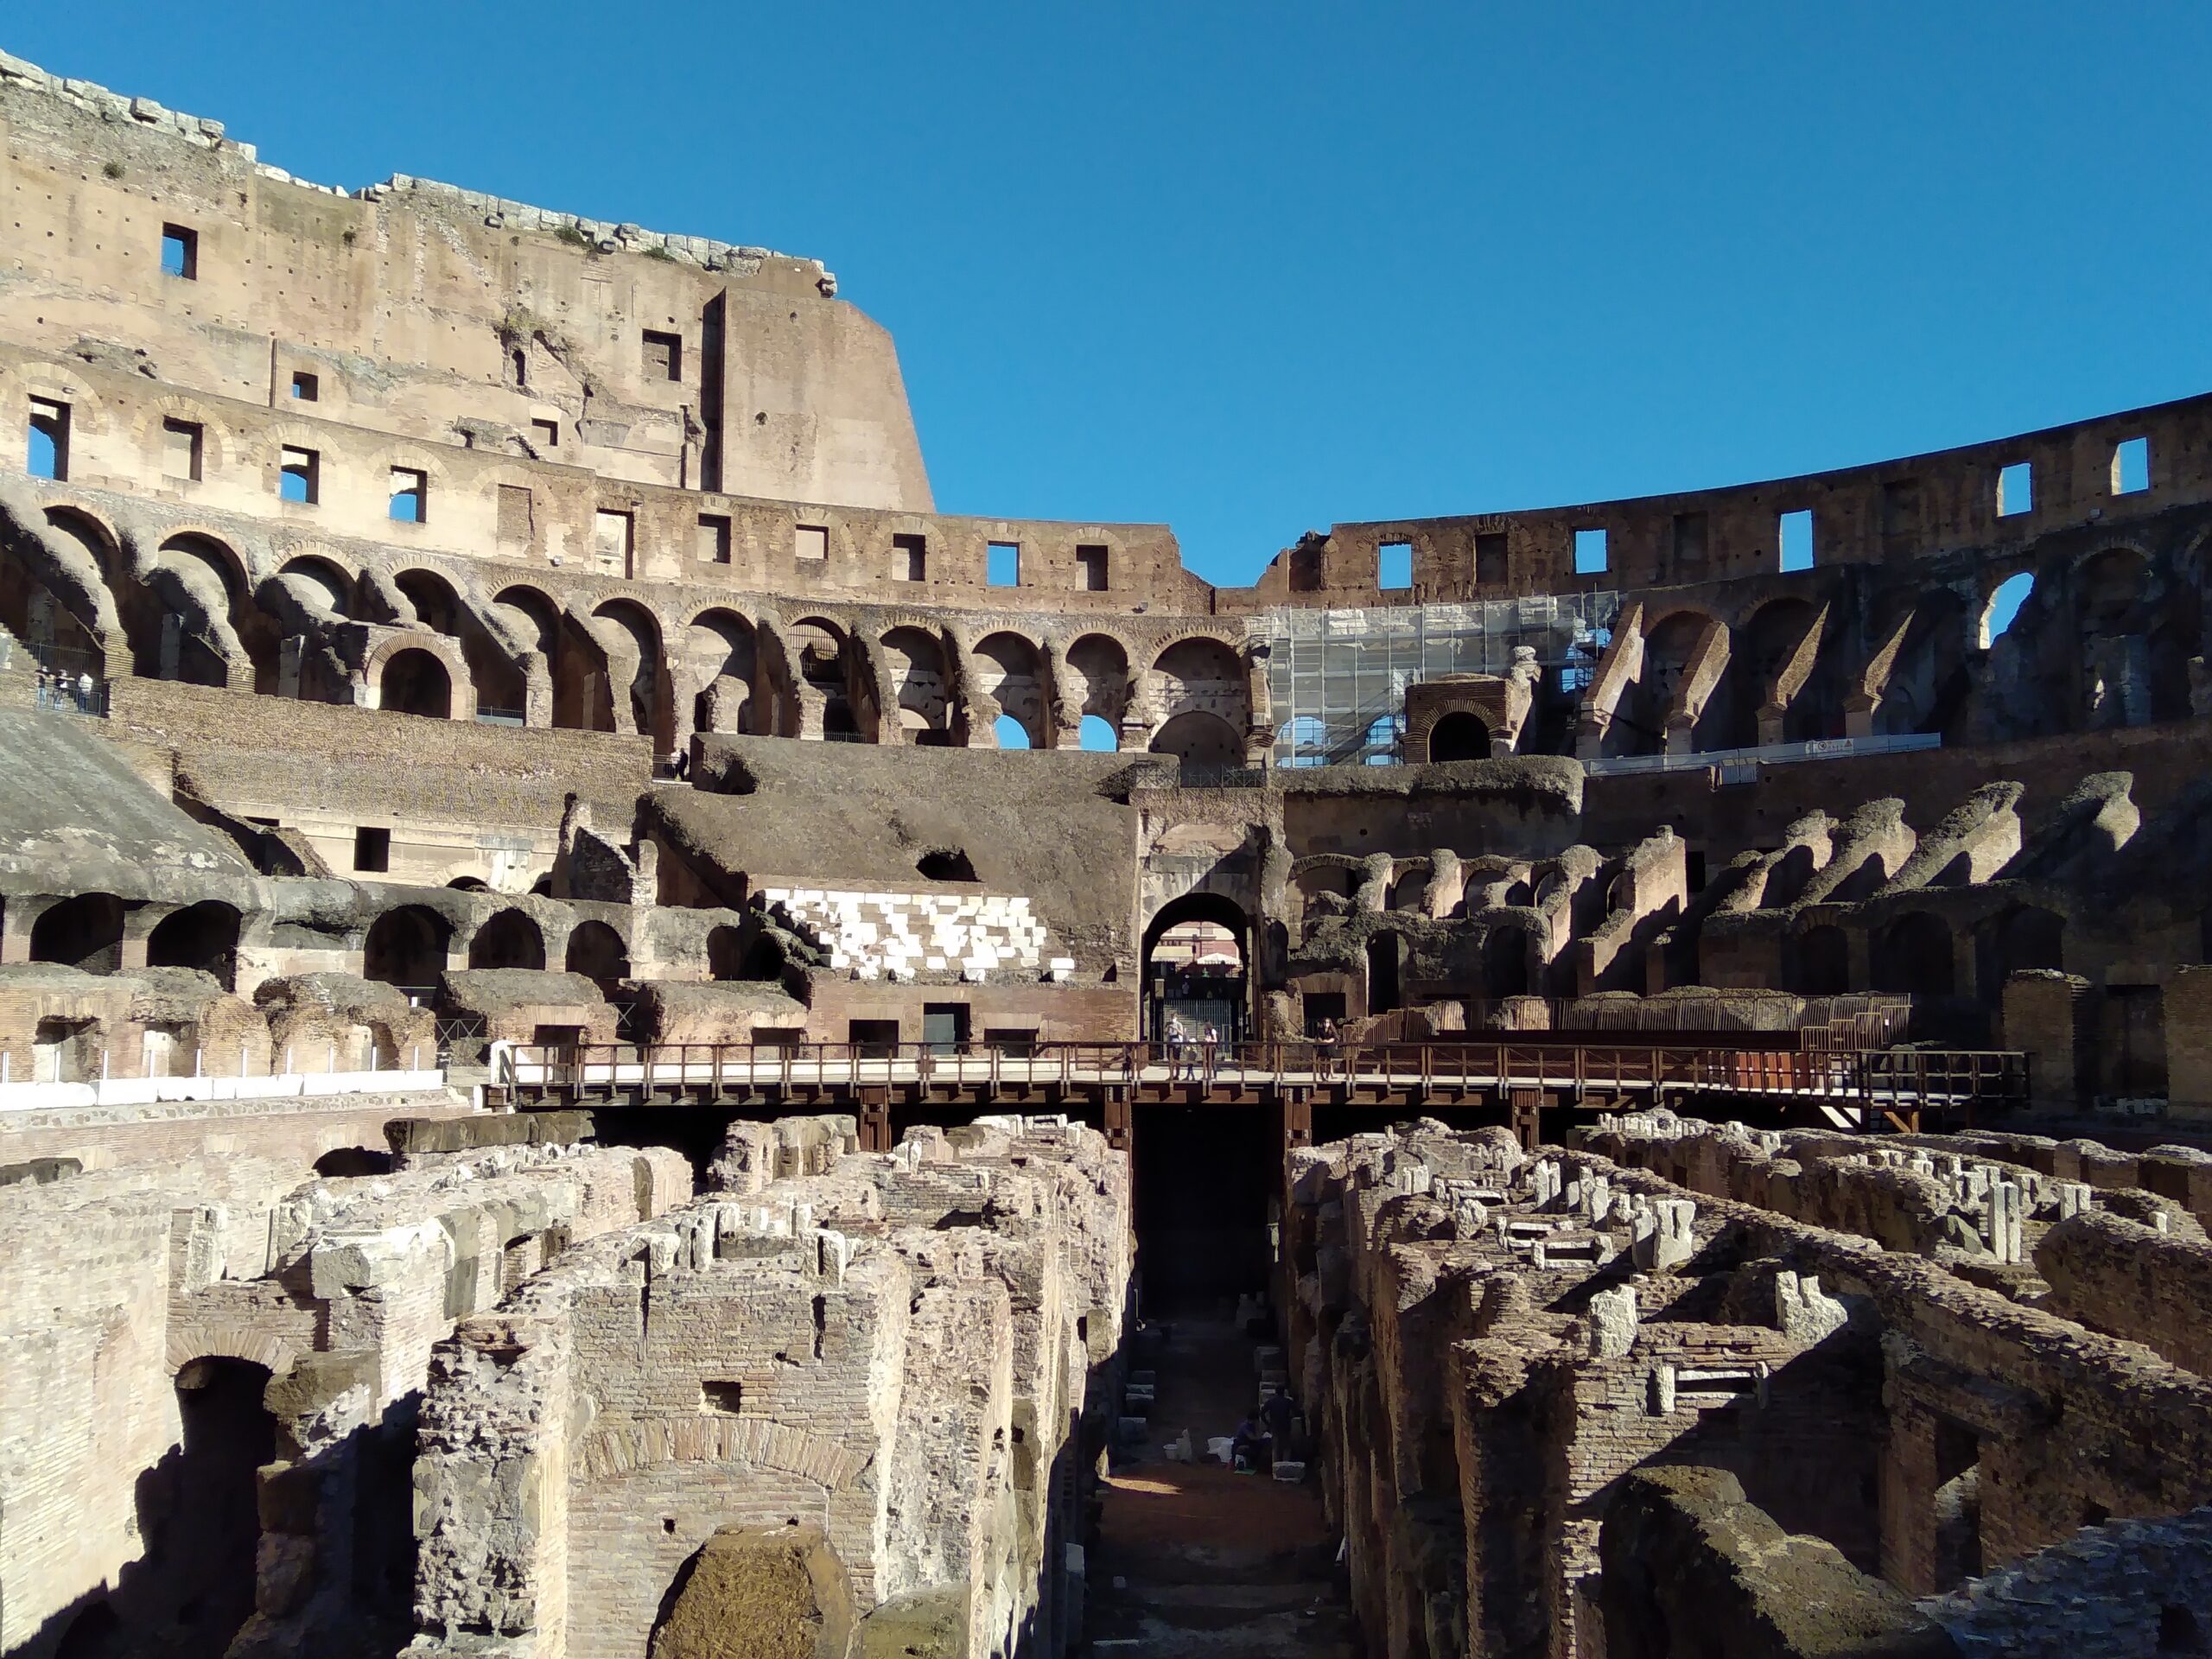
1848,1084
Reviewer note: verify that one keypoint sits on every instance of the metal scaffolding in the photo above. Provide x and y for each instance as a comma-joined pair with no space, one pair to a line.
1338,678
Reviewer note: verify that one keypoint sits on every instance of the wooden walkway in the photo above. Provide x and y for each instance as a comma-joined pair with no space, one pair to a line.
1840,1087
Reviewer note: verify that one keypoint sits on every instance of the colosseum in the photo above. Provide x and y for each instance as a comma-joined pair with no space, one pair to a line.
619,1041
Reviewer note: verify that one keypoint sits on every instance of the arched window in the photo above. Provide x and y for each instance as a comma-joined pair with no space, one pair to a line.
2005,605
1011,732
1098,735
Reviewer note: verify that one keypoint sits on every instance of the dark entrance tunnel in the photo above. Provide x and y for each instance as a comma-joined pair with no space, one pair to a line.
1205,1175
205,1537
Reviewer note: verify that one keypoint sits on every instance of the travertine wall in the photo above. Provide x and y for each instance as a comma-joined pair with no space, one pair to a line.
179,1247
1578,1319
900,1349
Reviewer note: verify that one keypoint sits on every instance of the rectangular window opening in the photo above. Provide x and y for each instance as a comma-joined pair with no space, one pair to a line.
546,433
2016,489
611,540
1901,509
411,495
372,851
300,476
1090,559
1590,555
180,251
306,387
1490,560
49,455
713,538
180,450
1394,566
2130,466
1796,534
910,558
515,517
663,355
1690,539
1002,564
811,542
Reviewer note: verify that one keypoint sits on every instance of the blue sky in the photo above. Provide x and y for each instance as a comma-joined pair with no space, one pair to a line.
1252,269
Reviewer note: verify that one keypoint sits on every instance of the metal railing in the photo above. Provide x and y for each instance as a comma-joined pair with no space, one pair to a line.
66,694
1873,1078
1769,755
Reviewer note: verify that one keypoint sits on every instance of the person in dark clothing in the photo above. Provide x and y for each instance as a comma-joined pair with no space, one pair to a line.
1279,1413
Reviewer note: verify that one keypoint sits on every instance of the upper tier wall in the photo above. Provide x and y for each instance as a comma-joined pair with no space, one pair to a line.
433,315
1892,511
739,415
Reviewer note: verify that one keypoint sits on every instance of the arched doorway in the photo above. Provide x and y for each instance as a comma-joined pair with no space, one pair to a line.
407,947
510,939
204,1539
1197,966
84,932
204,935
415,683
1459,736
597,951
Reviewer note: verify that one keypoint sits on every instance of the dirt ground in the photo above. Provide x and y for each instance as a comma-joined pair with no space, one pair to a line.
1193,1560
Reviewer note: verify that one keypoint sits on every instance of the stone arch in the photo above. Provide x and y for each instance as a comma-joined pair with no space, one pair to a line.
720,656
1095,678
85,931
193,1336
636,690
320,579
510,939
199,580
1773,701
408,678
407,946
1928,682
65,608
920,684
1202,674
1009,669
204,935
208,1540
1199,738
1671,649
1199,905
1458,736
596,950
